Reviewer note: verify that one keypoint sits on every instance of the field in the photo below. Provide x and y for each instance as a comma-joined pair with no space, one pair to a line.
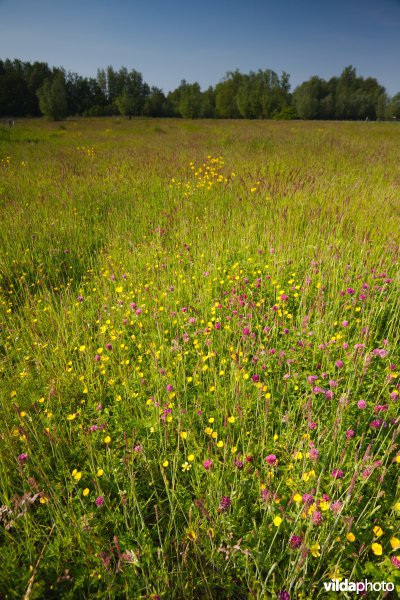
199,358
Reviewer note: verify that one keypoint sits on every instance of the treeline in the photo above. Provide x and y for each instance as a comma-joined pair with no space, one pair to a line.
33,89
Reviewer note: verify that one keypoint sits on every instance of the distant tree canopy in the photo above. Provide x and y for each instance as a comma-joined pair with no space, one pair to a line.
345,97
53,98
33,89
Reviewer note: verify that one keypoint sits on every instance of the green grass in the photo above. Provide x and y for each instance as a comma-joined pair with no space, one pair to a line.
157,275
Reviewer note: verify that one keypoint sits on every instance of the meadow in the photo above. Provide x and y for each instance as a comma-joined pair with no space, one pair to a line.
199,358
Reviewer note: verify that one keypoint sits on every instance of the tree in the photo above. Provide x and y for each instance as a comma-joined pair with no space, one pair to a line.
226,95
393,108
207,104
53,98
309,99
155,103
133,92
189,100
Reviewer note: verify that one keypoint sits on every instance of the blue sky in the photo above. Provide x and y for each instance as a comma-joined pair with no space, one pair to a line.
201,41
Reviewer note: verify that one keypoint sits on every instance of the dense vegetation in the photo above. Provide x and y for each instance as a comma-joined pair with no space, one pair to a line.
199,358
33,89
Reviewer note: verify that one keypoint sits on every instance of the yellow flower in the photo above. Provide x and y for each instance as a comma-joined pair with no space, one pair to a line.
82,348
100,472
107,439
86,492
211,420
43,500
220,444
231,419
397,506
77,475
208,430
277,521
395,543
335,574
315,549
376,549
191,535
377,531
183,435
191,457
323,505
165,463
185,466
297,498
71,417
351,537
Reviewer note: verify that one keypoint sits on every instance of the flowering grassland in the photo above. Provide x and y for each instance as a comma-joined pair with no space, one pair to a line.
199,358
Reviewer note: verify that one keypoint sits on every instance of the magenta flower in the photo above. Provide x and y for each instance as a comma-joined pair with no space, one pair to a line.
22,458
224,504
350,434
307,498
336,506
295,542
169,388
337,474
207,464
314,454
271,459
362,404
316,517
99,501
395,562
339,364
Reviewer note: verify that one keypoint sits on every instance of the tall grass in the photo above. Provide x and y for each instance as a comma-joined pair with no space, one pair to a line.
199,358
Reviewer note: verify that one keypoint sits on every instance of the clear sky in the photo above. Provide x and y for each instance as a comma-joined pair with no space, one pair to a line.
200,41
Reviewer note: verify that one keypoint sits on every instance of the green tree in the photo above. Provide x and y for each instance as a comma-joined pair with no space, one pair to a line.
190,100
207,104
226,95
309,99
155,103
393,108
53,98
130,102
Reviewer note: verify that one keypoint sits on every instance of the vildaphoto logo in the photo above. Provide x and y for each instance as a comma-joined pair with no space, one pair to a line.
358,586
